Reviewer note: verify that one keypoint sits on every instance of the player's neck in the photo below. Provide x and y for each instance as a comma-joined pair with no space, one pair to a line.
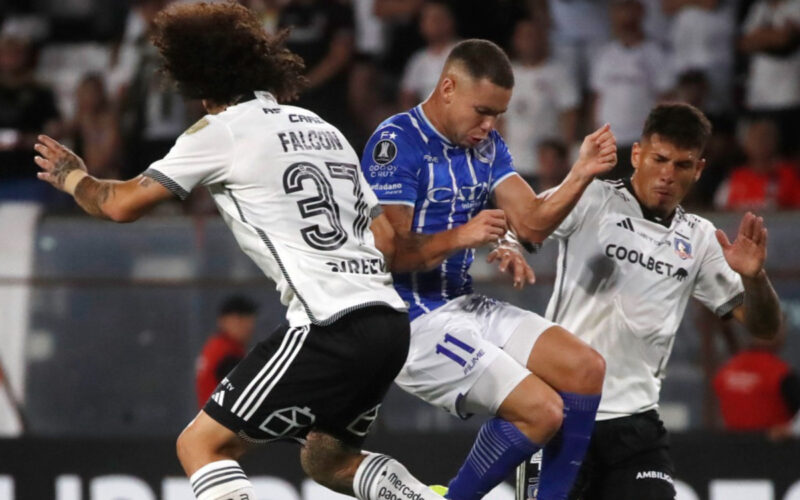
658,216
432,109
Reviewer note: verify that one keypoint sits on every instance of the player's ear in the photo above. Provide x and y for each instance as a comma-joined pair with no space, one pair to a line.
701,165
447,87
636,155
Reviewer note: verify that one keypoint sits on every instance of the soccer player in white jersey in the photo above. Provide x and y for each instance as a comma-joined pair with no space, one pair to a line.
629,259
288,185
435,170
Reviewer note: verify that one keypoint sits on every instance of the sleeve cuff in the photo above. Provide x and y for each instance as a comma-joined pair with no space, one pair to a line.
730,305
501,179
167,182
397,202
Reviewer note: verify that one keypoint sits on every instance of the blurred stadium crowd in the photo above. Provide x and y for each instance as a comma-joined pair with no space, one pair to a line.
84,72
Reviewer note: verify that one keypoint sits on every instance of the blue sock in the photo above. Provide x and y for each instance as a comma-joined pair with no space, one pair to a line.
563,455
499,448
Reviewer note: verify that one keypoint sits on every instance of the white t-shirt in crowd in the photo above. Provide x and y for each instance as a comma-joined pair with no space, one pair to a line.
704,40
622,285
541,94
773,82
289,186
422,71
628,82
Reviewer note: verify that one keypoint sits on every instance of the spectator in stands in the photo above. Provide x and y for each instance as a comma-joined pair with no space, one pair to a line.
26,109
553,164
772,40
579,30
629,76
438,28
95,129
722,151
545,101
702,39
766,181
227,346
323,35
153,115
757,390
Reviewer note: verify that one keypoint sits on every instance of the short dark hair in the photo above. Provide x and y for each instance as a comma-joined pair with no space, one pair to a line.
220,52
239,305
483,59
681,124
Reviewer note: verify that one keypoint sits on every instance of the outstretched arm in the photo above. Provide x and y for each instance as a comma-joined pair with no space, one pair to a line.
761,310
120,201
534,217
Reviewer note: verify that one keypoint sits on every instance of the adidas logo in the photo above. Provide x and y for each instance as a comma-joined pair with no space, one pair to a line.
626,223
218,397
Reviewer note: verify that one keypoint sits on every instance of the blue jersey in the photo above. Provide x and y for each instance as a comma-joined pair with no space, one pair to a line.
408,162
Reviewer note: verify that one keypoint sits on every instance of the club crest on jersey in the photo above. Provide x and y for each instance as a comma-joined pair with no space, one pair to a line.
384,151
683,248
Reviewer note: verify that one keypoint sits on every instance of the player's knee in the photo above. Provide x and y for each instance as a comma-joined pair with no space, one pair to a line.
542,418
589,372
185,444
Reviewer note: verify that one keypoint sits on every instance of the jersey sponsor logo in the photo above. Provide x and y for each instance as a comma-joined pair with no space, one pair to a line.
683,248
681,274
395,188
465,194
626,224
358,266
633,256
384,151
654,474
271,111
305,119
382,170
402,490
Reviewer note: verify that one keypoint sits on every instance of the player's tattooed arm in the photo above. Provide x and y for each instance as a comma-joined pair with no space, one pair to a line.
418,252
761,310
120,201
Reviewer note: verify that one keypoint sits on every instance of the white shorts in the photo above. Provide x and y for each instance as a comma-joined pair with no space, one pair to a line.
453,345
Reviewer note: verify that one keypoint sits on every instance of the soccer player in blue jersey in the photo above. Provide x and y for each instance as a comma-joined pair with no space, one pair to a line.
436,169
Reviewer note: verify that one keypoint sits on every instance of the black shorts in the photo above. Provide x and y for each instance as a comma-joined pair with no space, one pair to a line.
628,459
330,379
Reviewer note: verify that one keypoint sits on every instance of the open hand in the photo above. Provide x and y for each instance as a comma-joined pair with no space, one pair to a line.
56,161
747,253
511,260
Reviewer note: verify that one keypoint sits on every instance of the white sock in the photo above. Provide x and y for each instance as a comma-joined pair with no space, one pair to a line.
221,480
382,477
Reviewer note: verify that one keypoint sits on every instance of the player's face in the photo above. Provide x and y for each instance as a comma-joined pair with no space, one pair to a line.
664,173
473,107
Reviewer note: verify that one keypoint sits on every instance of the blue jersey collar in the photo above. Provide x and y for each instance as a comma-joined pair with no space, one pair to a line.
427,127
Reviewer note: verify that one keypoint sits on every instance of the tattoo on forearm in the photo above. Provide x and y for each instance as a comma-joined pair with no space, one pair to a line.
91,194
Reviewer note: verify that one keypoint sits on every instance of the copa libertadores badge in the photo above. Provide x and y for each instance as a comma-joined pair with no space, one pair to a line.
384,151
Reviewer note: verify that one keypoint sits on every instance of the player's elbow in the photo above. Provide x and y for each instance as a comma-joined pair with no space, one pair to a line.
532,235
121,214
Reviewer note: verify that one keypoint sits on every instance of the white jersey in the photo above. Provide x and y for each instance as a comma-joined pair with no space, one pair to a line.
622,286
289,186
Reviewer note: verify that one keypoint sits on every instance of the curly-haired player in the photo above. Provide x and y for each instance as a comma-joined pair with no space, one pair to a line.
288,185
